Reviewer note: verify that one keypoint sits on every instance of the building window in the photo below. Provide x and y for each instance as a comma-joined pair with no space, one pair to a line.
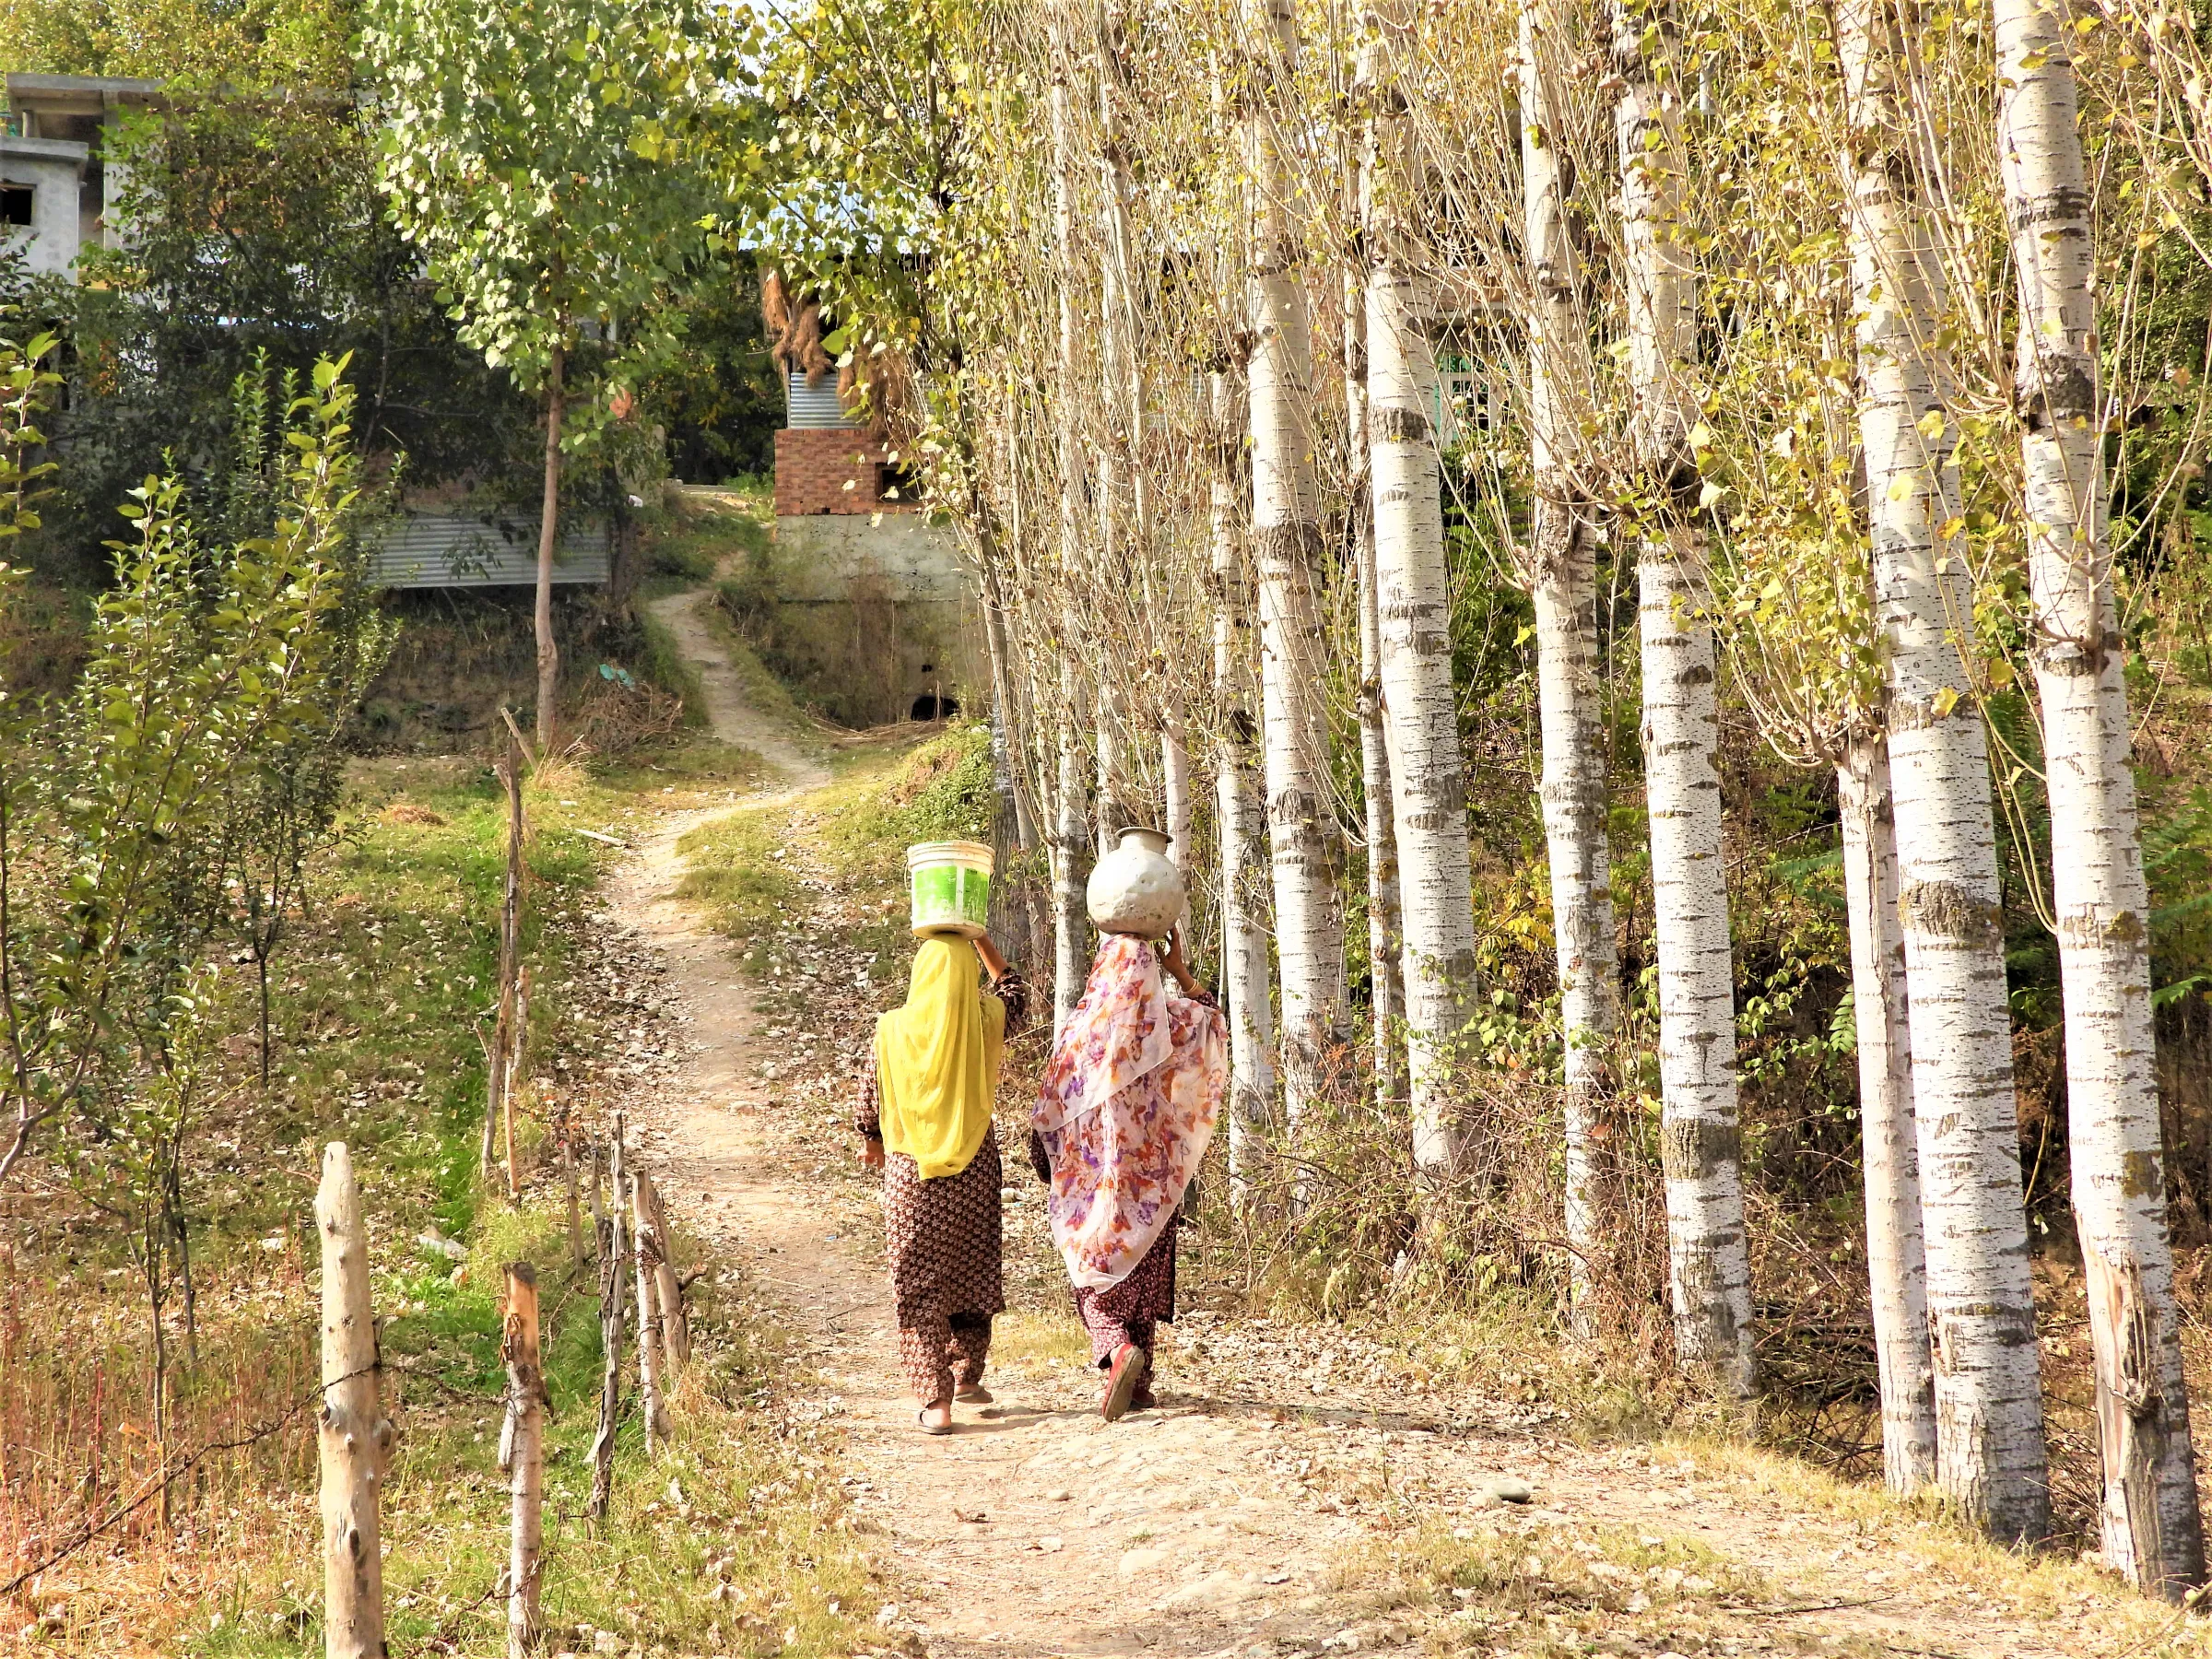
16,204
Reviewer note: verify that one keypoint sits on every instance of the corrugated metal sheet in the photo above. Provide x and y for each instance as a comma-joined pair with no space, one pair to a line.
429,549
816,407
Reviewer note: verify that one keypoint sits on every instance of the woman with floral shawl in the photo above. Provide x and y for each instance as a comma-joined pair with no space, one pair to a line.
927,1083
1122,1120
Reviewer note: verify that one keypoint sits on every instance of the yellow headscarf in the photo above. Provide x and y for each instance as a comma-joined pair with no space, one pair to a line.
936,1060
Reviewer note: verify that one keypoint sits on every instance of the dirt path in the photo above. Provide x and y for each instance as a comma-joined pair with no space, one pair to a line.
1258,1511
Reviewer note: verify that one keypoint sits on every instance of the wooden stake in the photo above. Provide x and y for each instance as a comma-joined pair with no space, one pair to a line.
668,1295
514,989
613,1278
568,1169
649,1327
355,1433
525,1442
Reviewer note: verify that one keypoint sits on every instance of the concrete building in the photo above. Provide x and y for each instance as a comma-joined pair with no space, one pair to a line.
874,616
57,191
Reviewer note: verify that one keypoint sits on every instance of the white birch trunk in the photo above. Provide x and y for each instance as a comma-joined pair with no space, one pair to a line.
1571,711
1699,1135
1286,530
1175,792
1071,923
1896,1259
1572,708
2100,898
1240,817
1990,1457
1413,609
1385,929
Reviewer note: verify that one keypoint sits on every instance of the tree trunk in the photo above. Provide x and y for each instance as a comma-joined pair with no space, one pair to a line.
1896,1262
1175,794
1990,1457
549,535
1700,1136
1563,585
1071,921
2100,898
1700,1139
614,1272
1070,917
355,1436
1237,811
650,1407
525,1446
1286,531
1386,927
1412,604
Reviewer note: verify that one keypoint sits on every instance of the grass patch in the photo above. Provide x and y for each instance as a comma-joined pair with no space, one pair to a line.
940,792
733,870
667,666
735,1539
1036,1345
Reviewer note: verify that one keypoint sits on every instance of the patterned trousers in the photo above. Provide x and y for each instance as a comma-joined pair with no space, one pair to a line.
941,1354
1132,1311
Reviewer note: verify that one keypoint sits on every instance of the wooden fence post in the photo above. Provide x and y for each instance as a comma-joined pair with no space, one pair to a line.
525,1444
654,1239
514,990
355,1433
649,1326
613,1277
568,1169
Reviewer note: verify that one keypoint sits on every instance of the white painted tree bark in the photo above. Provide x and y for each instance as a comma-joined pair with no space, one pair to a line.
1071,922
1175,792
355,1436
1896,1258
1286,531
1699,1134
1386,927
1413,604
1239,816
651,1351
2100,898
1990,1457
1563,585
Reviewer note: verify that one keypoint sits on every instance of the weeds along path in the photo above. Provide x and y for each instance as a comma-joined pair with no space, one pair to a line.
1302,1489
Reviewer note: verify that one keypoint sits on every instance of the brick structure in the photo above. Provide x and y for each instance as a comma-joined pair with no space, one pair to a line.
830,470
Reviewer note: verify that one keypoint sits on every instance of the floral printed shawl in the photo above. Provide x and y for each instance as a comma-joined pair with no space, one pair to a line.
1126,1111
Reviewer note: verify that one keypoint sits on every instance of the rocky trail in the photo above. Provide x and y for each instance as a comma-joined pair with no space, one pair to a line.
1299,1489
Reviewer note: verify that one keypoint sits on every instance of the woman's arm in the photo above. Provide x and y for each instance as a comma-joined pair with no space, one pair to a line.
868,1115
1176,964
1006,984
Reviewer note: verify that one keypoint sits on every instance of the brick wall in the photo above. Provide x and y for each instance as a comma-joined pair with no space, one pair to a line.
819,471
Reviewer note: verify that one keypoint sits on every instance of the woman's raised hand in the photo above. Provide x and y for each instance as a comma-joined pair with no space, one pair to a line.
995,962
1177,964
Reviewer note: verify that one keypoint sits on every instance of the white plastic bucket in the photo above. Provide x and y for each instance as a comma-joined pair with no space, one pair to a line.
950,887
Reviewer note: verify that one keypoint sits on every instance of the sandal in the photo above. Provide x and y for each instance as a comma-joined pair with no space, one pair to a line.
975,1394
922,1422
1130,1365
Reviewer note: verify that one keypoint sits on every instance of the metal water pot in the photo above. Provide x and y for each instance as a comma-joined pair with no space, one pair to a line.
1134,889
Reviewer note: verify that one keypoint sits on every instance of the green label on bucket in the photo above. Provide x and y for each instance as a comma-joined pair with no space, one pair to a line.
975,897
937,894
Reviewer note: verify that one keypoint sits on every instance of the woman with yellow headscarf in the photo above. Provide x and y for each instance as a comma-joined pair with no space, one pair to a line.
927,1083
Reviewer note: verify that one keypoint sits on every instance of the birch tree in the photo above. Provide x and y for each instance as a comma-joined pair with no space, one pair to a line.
1413,602
1700,1137
1892,257
1564,588
1286,537
1990,1454
2100,898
